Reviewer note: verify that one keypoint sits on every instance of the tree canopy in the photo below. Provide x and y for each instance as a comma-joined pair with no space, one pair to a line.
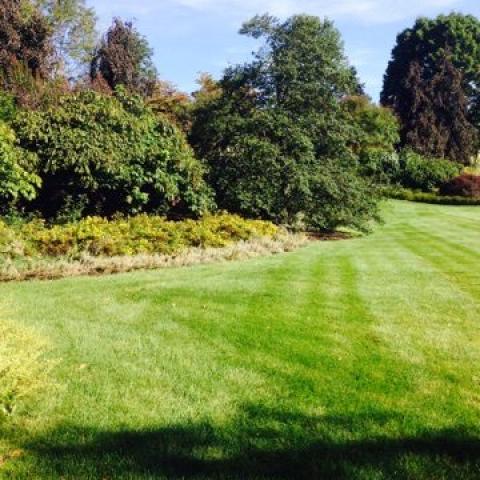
73,26
276,137
429,60
124,58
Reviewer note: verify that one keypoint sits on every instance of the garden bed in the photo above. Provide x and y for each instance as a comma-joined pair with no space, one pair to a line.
94,246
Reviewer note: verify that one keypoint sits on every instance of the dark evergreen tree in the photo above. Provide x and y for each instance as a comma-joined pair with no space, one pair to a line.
124,58
418,125
454,136
434,113
428,41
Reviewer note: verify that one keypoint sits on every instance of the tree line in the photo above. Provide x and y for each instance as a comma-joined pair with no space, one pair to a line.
87,127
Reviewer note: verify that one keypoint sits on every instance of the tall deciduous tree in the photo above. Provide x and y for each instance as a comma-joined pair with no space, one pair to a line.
176,105
73,24
208,90
124,58
275,135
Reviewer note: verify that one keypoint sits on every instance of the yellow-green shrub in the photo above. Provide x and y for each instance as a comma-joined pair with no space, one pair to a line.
23,368
129,235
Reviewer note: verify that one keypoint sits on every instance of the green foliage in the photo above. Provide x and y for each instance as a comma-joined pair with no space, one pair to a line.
275,135
255,173
23,367
429,197
18,179
74,32
302,66
419,172
380,165
376,137
7,107
100,155
127,236
378,128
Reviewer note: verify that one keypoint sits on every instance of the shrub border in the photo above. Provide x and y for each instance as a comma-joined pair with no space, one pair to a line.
88,265
433,198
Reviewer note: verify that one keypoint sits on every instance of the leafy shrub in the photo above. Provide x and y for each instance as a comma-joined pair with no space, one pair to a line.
265,165
128,236
375,140
23,367
105,154
465,185
419,172
7,107
378,128
17,177
381,165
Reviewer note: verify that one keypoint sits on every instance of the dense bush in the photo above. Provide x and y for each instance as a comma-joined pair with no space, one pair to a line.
466,185
419,172
271,171
17,176
23,367
381,165
104,154
377,126
127,236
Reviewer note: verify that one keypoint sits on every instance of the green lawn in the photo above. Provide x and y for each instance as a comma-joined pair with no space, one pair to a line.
357,359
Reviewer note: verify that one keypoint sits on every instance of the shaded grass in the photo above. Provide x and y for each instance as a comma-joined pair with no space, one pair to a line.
350,360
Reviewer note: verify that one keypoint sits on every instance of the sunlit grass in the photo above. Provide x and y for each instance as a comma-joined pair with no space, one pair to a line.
356,359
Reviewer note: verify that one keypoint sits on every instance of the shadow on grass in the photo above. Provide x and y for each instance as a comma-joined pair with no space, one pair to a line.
260,443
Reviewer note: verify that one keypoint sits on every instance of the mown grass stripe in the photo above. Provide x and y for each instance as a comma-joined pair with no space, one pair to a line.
348,360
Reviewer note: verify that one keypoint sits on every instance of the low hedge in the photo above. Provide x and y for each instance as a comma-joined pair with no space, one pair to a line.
127,236
424,197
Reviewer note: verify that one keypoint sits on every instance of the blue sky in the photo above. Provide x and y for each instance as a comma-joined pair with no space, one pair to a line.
192,36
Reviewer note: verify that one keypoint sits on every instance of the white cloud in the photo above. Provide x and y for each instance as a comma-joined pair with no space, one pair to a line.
365,11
